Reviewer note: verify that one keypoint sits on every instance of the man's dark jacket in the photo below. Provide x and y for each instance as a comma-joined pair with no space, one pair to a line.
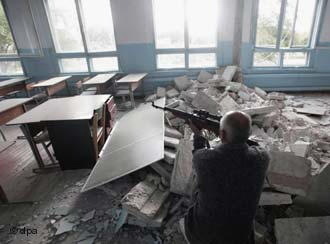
230,178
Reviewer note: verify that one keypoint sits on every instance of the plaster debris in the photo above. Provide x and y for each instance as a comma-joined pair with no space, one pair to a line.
88,216
203,101
311,110
172,93
171,132
261,93
182,83
300,148
204,76
260,110
171,142
228,104
276,96
289,173
151,98
161,92
169,156
229,73
273,198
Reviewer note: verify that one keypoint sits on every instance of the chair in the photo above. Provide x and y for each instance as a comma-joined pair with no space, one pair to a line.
80,88
98,129
39,97
43,139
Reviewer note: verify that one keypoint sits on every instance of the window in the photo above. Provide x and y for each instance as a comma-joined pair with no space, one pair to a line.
284,33
10,63
83,35
185,33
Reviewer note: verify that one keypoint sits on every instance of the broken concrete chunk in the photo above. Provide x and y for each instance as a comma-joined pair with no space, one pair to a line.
311,110
182,83
144,200
289,173
204,76
172,93
170,132
228,104
173,104
88,216
187,96
261,93
151,98
176,122
233,87
229,73
171,142
162,171
169,156
244,95
260,110
302,230
273,198
63,226
203,101
300,148
161,92
276,96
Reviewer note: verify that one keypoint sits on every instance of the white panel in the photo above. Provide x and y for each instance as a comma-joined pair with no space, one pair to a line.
137,140
133,21
325,31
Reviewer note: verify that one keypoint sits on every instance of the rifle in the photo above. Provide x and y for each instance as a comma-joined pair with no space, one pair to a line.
201,119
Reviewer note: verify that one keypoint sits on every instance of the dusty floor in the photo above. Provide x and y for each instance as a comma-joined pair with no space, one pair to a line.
44,200
50,199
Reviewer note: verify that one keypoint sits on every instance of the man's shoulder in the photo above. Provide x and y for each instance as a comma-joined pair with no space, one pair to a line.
259,153
206,153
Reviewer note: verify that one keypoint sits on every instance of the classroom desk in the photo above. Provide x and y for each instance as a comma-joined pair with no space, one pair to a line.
10,109
54,85
67,122
133,81
100,81
16,84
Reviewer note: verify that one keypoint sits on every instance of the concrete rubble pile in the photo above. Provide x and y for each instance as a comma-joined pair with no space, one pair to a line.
293,131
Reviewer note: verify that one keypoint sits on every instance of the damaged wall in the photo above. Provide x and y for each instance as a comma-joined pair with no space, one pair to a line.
136,50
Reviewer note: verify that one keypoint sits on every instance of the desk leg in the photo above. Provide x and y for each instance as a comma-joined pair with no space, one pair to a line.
34,148
3,135
67,88
131,94
3,196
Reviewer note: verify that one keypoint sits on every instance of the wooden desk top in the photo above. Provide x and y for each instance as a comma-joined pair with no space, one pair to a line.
132,78
52,81
67,108
12,82
11,103
100,79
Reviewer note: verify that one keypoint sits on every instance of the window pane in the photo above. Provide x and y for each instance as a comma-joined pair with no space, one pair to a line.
11,68
169,23
290,12
7,45
265,59
65,26
104,64
98,25
202,60
202,29
168,61
73,65
295,59
267,26
304,22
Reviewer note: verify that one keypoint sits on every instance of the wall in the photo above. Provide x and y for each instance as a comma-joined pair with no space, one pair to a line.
315,78
135,43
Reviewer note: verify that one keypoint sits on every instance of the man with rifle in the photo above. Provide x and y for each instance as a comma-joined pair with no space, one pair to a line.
230,178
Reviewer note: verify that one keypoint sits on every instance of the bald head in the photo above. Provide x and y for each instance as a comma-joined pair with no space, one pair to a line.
235,127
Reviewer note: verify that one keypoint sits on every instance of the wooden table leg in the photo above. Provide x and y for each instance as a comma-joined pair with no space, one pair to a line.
131,94
34,148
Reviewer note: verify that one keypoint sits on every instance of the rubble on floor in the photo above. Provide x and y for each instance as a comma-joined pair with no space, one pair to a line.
290,128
